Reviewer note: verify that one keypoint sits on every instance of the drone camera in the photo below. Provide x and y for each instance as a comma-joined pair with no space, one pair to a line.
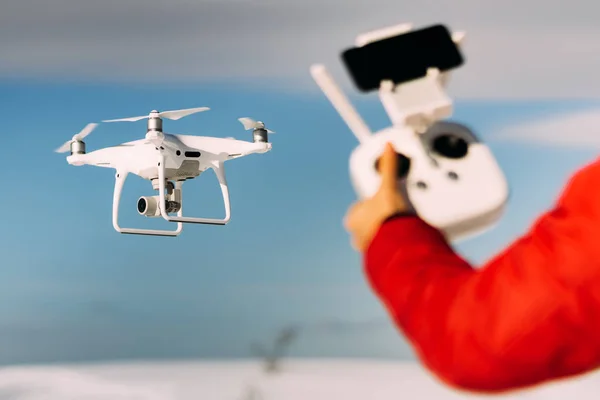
148,206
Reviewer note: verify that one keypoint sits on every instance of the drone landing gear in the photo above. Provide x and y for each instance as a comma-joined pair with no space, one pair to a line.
179,219
219,171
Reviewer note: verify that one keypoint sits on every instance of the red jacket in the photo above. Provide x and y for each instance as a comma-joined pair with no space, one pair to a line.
529,315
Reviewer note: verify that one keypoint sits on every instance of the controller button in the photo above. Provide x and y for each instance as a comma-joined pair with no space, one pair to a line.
453,175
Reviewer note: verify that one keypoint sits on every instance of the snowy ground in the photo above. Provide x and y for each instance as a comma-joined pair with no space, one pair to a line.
244,380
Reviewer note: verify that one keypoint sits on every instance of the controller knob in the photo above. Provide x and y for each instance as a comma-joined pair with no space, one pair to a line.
450,146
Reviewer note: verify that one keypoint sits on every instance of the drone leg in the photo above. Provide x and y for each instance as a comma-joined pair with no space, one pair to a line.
220,172
119,183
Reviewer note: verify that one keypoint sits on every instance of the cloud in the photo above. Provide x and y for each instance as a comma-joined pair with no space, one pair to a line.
515,49
580,129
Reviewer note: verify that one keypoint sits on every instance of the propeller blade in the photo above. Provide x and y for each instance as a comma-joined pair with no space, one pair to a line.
66,146
178,114
89,128
248,123
131,119
174,115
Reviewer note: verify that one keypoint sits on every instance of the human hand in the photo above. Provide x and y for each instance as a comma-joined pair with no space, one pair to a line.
364,218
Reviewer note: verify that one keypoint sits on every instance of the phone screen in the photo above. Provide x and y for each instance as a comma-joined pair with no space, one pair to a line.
402,58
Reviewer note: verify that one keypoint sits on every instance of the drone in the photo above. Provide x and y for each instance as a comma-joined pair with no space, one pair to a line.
167,161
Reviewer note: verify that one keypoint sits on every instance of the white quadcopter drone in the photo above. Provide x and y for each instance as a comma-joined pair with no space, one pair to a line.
450,178
167,160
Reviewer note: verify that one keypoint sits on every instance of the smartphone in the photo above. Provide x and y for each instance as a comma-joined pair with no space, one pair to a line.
402,58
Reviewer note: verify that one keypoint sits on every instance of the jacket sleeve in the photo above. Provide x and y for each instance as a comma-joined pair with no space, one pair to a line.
529,315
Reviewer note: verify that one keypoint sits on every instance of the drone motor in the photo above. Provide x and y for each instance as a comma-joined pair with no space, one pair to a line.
148,206
77,147
154,122
260,134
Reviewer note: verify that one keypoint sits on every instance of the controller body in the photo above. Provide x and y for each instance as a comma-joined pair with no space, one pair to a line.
448,177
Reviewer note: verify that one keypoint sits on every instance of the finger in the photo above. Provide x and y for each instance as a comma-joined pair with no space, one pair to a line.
388,166
349,217
358,244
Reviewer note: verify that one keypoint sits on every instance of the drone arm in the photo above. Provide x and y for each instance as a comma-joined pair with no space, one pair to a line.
119,183
257,148
220,172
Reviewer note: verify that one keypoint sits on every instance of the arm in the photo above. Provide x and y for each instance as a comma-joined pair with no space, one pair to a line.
529,315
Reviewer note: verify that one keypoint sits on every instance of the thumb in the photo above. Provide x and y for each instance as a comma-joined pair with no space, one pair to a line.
388,167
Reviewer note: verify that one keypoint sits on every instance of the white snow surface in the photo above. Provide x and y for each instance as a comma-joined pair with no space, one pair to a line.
245,380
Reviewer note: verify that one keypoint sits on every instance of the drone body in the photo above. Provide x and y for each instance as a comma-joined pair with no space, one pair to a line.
167,160
451,178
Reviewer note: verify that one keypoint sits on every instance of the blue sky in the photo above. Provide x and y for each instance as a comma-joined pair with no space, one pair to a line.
74,289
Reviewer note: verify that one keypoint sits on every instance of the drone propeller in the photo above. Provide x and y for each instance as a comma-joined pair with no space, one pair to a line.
249,123
78,137
173,115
